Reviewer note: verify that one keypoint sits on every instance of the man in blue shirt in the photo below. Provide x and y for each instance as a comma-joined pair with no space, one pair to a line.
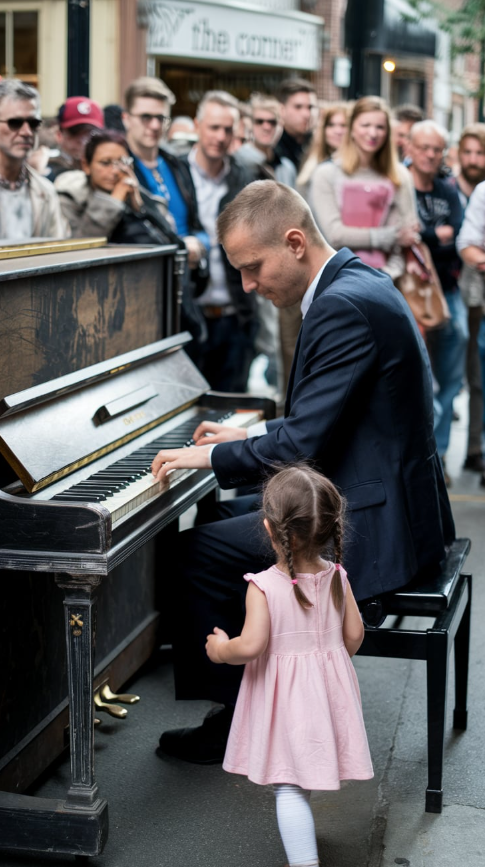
146,118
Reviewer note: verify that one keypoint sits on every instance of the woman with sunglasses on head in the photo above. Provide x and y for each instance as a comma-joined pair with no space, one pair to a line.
364,198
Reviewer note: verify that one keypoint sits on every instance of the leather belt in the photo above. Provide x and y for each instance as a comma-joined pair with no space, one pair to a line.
212,311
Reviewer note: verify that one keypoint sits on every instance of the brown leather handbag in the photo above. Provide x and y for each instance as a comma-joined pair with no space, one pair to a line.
422,290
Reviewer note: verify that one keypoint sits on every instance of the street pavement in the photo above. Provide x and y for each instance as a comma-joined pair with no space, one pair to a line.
165,813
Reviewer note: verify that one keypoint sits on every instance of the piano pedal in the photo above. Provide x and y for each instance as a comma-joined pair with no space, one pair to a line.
124,698
97,722
112,709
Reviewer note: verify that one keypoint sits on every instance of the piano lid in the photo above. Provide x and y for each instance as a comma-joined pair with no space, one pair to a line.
51,430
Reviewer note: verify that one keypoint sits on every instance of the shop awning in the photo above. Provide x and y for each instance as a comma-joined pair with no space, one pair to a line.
232,33
386,26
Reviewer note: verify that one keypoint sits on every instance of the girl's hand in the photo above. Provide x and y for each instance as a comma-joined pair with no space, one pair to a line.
214,642
408,235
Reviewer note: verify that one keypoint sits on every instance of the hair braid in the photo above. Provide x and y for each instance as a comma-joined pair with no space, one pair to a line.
288,555
336,588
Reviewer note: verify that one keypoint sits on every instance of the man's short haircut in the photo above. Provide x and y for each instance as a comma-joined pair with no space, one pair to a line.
409,112
148,88
12,88
430,126
268,209
262,102
473,130
219,97
290,86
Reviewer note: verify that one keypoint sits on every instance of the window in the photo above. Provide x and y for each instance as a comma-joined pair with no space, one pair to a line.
19,46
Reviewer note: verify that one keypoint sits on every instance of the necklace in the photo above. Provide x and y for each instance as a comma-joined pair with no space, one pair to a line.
14,185
161,183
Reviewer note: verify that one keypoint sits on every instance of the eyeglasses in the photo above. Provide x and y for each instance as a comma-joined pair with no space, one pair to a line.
122,163
16,123
162,119
260,120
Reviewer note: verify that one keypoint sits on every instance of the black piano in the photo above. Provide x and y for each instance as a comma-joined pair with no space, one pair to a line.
81,502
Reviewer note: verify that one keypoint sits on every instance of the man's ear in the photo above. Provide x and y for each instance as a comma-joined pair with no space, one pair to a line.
125,118
296,241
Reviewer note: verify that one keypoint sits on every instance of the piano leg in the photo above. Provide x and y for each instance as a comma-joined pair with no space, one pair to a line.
77,825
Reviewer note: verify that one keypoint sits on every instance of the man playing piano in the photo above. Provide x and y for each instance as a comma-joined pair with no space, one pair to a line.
359,407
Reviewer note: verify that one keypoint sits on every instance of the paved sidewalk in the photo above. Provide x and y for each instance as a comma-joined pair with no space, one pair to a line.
165,813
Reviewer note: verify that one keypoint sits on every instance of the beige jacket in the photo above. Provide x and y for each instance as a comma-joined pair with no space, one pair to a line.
47,218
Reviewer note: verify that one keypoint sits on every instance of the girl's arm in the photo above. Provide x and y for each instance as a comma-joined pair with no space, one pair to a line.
253,639
352,627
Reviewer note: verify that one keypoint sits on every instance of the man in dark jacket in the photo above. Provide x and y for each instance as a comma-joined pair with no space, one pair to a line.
441,215
299,116
229,313
146,117
349,409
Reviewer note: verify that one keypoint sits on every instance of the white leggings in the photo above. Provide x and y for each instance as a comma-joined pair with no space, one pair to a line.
297,828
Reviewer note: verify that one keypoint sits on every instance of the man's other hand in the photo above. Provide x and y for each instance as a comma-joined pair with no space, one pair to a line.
212,432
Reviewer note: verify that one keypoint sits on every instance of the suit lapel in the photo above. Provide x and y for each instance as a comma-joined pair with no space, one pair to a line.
342,258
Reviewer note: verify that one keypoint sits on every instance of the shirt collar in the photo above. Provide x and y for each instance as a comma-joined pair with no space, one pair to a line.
217,179
310,292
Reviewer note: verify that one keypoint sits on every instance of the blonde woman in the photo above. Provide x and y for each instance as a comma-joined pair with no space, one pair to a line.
326,141
364,198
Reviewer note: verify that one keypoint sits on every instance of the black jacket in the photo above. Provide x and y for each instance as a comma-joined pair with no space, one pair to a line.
238,177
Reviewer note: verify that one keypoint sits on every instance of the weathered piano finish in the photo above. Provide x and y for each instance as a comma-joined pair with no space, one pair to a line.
93,558
60,312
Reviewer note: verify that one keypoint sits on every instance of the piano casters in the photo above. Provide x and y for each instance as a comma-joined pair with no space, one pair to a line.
103,695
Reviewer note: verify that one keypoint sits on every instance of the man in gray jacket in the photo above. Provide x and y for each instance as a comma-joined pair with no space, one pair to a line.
29,207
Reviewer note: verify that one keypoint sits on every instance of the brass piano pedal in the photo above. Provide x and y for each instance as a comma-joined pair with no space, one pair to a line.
97,722
113,709
124,698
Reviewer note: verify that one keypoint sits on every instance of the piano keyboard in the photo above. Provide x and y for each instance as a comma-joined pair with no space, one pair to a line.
126,485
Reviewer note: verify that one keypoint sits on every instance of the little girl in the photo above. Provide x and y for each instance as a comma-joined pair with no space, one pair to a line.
298,720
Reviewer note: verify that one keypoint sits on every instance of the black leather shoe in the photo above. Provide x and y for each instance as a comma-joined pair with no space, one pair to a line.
372,611
475,463
202,745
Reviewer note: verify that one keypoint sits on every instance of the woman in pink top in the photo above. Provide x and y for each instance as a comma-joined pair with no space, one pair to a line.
364,199
298,720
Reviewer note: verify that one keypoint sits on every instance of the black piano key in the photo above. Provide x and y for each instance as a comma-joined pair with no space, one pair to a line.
80,498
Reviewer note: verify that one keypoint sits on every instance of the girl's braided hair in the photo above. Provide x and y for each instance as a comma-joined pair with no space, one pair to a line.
305,512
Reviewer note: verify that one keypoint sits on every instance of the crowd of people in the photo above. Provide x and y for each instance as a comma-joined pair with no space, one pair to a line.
377,182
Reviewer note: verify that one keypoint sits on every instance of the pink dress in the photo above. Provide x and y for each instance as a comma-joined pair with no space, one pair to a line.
298,716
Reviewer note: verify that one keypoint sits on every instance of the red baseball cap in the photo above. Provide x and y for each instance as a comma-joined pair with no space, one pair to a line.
79,110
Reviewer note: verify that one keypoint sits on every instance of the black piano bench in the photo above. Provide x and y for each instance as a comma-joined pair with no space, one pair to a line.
447,598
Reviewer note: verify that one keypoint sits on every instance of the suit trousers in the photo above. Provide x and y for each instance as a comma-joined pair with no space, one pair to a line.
208,589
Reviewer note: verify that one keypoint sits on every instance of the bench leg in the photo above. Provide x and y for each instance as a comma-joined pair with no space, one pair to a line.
437,676
462,651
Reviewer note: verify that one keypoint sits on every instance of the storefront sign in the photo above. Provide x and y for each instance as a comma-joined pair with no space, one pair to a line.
232,33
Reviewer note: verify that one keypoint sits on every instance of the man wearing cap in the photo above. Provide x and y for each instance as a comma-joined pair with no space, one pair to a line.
78,116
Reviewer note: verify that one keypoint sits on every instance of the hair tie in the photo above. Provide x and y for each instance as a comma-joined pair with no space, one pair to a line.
294,580
338,567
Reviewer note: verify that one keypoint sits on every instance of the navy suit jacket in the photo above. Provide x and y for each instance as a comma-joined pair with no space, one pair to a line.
360,407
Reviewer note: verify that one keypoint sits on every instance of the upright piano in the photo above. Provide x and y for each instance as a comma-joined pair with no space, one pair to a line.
81,502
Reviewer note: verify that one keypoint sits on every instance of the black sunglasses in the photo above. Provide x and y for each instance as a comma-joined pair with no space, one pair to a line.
260,120
16,123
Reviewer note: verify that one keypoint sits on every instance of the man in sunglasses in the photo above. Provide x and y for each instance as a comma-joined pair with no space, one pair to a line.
29,207
267,130
77,118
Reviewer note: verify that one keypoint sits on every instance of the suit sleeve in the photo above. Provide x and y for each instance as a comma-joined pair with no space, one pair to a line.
338,355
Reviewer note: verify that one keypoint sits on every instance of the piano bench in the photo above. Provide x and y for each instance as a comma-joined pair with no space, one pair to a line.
447,598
